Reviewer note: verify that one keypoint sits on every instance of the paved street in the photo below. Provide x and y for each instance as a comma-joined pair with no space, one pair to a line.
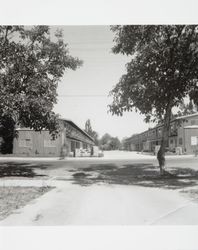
123,188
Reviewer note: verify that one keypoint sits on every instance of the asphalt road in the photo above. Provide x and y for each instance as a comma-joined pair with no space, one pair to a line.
120,189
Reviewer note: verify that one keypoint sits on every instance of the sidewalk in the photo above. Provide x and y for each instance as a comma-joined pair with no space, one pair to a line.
33,183
108,155
102,204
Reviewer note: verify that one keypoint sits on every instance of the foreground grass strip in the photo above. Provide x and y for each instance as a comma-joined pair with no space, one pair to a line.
12,198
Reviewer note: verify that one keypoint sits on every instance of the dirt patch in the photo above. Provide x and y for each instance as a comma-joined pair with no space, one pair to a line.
12,198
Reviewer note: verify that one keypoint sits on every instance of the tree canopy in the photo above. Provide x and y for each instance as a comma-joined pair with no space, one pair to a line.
107,142
32,62
90,131
187,109
163,70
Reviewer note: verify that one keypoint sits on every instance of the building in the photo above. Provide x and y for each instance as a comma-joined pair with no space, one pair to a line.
71,141
183,134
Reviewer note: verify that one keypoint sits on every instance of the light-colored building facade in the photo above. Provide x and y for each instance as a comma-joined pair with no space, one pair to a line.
71,141
183,134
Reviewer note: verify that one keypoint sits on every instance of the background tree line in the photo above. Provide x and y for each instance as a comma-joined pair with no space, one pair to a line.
106,142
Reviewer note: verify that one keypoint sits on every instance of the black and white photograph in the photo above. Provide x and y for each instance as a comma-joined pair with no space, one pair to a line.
99,125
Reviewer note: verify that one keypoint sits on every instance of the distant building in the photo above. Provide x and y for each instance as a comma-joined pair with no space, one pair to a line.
71,141
183,134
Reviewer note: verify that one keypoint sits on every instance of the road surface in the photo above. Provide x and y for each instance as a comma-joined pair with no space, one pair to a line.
110,191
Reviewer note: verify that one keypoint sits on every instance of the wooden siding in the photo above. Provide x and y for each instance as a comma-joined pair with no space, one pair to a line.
32,143
190,132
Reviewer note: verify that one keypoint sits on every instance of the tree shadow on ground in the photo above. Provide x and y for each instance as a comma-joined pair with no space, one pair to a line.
145,175
13,169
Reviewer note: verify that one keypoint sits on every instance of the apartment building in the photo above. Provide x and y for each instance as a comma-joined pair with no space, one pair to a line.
183,134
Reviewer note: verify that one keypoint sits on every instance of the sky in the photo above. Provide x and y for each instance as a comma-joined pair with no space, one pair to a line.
83,94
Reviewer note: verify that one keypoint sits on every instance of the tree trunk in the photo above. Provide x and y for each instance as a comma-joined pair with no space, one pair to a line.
165,135
7,132
161,157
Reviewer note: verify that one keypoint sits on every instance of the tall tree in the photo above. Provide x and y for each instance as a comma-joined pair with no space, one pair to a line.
32,62
104,141
107,142
162,72
88,127
114,143
95,137
91,132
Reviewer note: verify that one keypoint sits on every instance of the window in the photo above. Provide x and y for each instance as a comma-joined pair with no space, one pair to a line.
194,122
48,143
194,140
171,141
172,128
180,141
77,144
25,143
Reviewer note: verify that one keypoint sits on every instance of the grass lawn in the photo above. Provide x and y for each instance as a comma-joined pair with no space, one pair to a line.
12,198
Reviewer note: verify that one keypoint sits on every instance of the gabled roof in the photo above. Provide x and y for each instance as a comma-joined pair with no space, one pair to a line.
77,127
192,126
66,120
161,125
177,118
186,116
